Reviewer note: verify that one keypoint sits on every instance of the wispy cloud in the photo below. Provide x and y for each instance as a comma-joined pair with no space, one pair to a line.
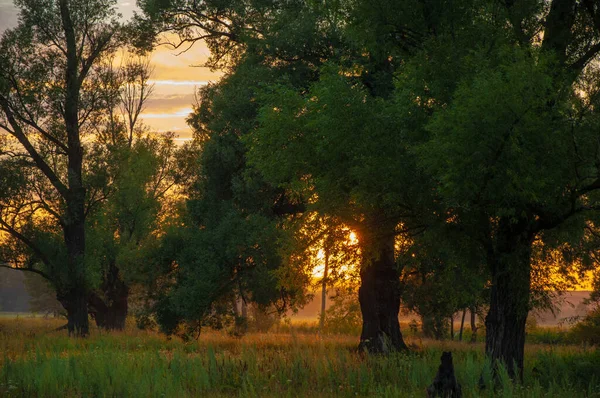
181,113
178,82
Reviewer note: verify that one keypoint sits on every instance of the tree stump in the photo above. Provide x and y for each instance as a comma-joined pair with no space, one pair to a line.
445,384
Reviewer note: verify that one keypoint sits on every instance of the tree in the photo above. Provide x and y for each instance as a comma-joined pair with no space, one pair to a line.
229,246
141,200
400,117
234,226
507,147
327,148
135,177
443,272
49,102
289,42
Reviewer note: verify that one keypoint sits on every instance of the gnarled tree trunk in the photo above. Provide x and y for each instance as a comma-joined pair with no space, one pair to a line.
379,296
74,301
510,295
110,312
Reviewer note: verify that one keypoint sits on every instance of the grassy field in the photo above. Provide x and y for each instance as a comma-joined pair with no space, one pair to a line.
36,361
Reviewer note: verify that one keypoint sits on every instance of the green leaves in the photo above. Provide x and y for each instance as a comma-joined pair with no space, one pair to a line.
500,144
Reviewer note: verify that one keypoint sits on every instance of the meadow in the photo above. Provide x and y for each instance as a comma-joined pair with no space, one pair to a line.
36,361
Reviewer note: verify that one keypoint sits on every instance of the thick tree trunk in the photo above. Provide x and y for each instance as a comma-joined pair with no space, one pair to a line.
234,306
379,296
74,302
74,223
510,294
77,292
110,316
77,317
110,313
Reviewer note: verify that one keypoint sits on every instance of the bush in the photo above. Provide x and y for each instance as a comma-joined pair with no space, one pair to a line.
588,330
568,370
344,316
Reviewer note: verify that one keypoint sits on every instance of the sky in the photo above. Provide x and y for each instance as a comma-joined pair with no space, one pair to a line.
175,77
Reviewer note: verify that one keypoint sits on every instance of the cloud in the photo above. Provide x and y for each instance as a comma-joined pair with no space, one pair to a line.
176,76
181,113
192,83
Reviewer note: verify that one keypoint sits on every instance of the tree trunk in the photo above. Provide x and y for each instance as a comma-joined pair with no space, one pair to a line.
74,302
324,289
462,324
110,311
74,226
510,294
473,311
77,293
379,296
452,327
110,316
77,316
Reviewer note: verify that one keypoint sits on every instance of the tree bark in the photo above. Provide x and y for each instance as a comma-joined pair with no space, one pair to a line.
110,312
379,296
558,28
77,292
110,316
74,301
74,226
510,294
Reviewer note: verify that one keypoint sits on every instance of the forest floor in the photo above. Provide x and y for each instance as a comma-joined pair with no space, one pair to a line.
36,361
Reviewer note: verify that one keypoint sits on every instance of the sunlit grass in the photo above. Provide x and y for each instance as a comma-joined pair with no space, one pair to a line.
38,361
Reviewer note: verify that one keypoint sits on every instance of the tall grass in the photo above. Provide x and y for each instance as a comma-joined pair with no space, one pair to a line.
36,361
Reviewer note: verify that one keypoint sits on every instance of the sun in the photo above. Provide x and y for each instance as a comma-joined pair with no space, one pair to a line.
319,259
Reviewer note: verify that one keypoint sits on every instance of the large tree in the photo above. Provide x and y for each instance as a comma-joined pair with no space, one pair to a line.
511,141
49,103
234,219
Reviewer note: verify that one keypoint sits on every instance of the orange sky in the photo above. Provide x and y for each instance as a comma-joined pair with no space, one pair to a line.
175,77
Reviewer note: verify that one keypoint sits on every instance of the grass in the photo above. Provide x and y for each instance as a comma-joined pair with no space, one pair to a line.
36,361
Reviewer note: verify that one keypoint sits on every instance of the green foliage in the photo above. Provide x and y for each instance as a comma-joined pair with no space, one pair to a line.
510,153
587,330
343,315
